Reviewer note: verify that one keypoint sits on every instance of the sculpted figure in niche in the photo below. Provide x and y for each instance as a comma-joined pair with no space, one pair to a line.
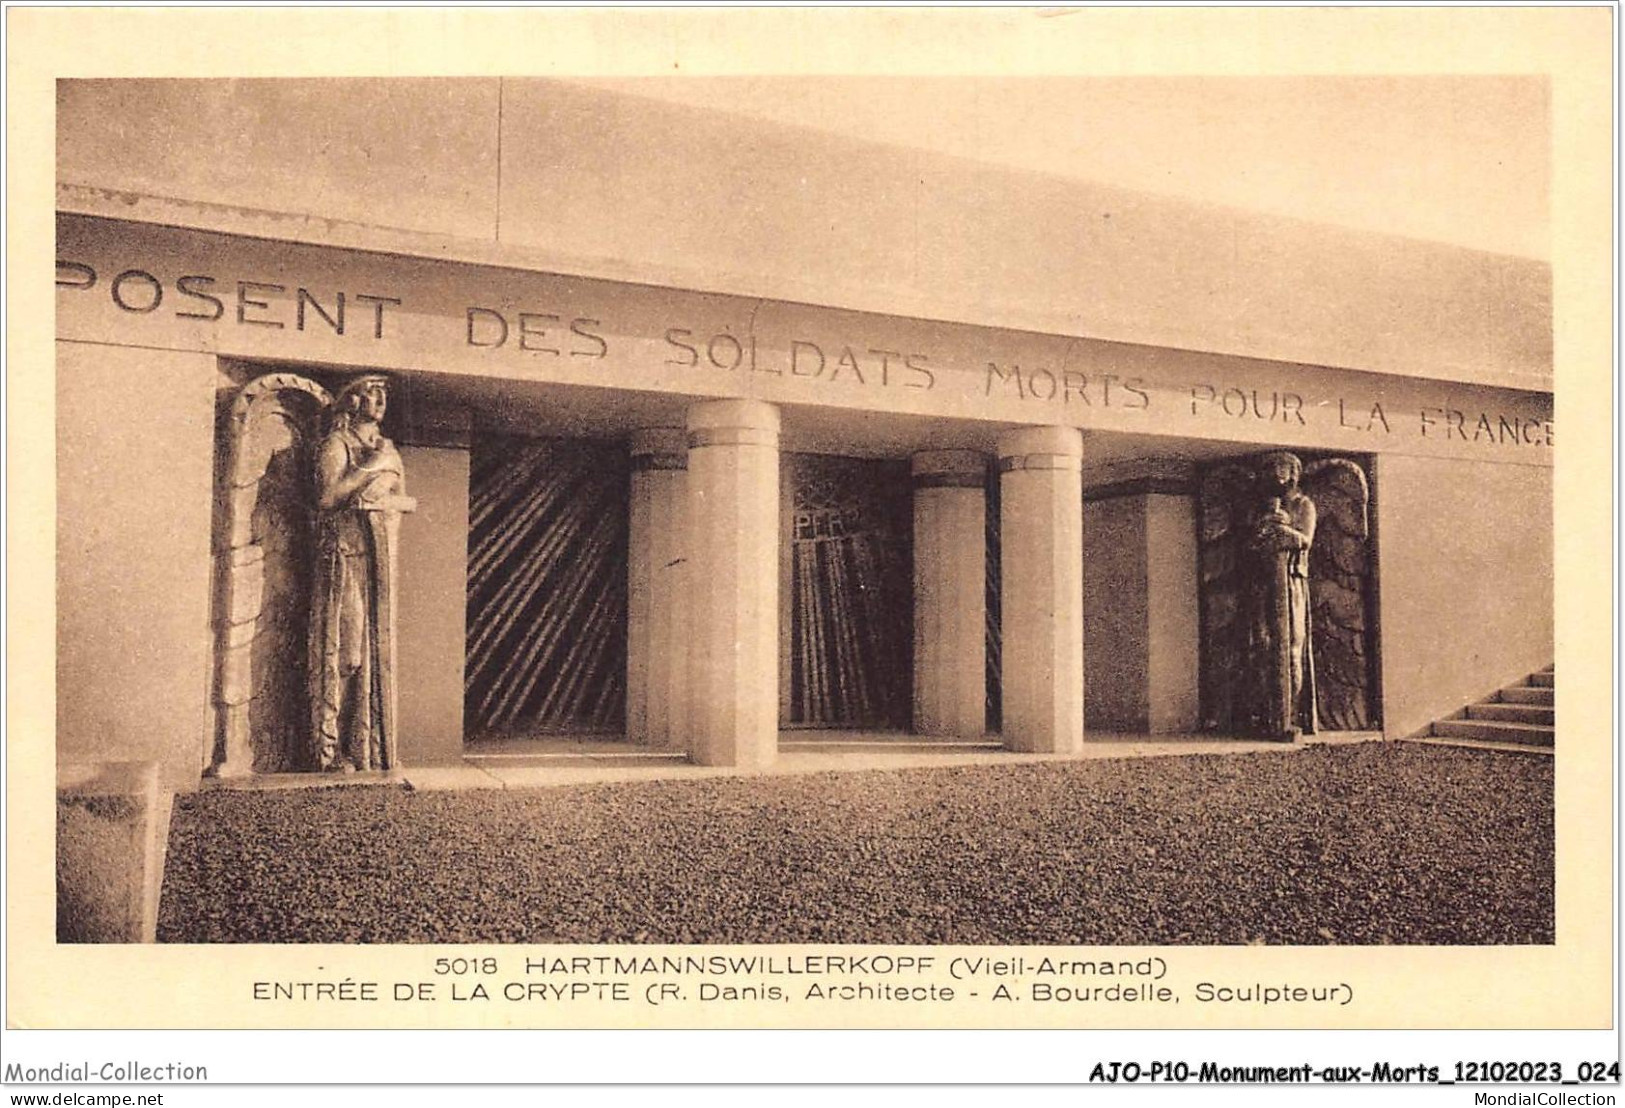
1282,661
360,495
1286,648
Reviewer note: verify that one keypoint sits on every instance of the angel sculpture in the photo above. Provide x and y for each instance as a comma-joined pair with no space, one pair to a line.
360,495
313,498
1284,649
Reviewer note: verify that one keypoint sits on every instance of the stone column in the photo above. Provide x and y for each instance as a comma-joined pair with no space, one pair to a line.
1041,588
950,593
733,615
655,646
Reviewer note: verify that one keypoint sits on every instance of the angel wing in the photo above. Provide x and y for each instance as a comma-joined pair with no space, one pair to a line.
1224,510
266,494
1339,569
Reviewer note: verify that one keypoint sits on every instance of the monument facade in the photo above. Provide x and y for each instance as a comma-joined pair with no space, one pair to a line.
682,477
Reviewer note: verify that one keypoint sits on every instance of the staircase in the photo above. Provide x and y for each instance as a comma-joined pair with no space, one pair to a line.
1521,715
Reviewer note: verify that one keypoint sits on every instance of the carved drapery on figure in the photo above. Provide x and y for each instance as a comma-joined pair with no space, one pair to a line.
360,495
276,585
1286,644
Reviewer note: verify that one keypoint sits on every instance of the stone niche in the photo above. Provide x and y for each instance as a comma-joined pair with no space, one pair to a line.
1342,592
311,497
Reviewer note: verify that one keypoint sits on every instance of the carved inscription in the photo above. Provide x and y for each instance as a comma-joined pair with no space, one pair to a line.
247,303
1490,428
555,333
537,332
853,364
1068,386
1265,405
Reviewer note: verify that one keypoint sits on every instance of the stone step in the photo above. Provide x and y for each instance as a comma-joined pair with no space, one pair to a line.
1480,744
1527,694
1544,680
1514,713
1532,734
574,759
890,746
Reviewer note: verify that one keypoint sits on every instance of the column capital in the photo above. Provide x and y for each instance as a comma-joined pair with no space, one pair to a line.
1041,448
733,423
948,469
658,448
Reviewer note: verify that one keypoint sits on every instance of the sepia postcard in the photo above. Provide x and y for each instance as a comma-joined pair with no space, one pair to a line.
662,530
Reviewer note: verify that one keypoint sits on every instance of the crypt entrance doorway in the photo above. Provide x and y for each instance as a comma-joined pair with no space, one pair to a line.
547,601
845,593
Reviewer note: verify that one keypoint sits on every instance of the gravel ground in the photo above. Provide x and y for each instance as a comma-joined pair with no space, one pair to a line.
1376,843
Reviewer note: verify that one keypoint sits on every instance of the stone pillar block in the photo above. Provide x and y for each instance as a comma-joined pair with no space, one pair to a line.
134,567
950,592
1141,607
112,829
1173,631
655,638
733,616
1041,588
431,627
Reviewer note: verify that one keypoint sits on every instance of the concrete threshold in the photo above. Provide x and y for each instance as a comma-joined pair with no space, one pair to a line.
279,782
805,752
890,742
547,763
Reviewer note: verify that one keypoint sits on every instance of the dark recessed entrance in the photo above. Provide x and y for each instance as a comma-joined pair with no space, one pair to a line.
847,635
547,550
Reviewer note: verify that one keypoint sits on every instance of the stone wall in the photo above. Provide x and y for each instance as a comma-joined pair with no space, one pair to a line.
602,183
1465,577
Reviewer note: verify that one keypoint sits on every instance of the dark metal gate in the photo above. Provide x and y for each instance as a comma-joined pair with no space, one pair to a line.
850,625
547,550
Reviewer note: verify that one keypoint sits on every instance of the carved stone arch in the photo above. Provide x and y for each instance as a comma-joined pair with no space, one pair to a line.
263,559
